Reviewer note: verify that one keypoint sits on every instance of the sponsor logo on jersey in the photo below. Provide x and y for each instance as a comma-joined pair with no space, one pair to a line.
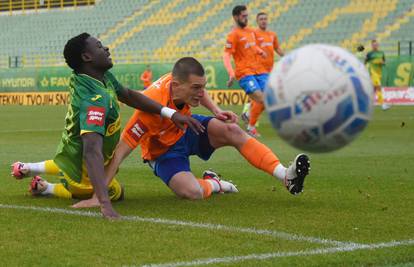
137,130
113,127
95,116
96,97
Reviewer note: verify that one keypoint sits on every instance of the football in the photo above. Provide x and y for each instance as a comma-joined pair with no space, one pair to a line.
319,98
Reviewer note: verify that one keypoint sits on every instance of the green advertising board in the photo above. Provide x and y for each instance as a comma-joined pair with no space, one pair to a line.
398,72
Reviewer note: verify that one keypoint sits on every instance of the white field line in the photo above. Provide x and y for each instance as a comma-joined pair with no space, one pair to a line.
220,227
259,257
29,131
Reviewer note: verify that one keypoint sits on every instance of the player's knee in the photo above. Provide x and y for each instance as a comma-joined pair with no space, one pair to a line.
257,96
192,193
233,132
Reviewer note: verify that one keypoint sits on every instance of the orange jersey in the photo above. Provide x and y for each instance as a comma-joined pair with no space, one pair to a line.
241,44
146,78
268,42
152,132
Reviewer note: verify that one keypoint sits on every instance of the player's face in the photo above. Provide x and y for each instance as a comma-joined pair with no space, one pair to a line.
97,54
262,22
374,45
242,19
192,91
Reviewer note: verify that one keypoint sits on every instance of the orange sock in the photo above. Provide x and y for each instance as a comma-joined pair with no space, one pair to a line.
207,188
259,156
255,111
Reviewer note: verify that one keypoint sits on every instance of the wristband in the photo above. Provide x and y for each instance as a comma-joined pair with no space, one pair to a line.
167,112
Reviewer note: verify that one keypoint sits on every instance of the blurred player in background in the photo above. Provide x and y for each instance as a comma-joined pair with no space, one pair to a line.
146,77
167,149
376,61
241,45
92,128
268,42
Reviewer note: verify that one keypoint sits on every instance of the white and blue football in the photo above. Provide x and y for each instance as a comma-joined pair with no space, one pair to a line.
319,98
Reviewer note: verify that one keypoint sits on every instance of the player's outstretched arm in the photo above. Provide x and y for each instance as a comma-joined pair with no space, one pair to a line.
94,160
139,101
209,104
142,102
122,151
280,52
229,68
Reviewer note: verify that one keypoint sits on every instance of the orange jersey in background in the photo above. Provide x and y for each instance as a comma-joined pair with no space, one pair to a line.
268,42
152,132
146,78
241,44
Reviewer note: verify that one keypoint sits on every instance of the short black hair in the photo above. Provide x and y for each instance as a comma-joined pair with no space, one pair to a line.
186,66
237,10
73,50
374,41
259,14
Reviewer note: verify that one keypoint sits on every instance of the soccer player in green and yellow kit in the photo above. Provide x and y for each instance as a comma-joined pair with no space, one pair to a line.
92,128
376,60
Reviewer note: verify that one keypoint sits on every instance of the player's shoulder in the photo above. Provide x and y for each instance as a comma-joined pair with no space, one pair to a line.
272,33
234,31
159,89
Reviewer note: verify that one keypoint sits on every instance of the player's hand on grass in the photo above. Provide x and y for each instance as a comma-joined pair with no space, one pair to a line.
230,81
108,211
93,202
181,120
228,116
106,208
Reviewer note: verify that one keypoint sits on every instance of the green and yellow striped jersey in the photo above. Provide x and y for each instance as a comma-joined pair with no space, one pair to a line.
375,60
93,107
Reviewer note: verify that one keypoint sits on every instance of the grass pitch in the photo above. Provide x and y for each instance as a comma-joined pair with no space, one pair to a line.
362,194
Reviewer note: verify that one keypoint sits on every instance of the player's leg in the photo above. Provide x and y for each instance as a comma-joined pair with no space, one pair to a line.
21,170
245,116
259,155
251,85
256,111
41,187
258,104
176,174
376,80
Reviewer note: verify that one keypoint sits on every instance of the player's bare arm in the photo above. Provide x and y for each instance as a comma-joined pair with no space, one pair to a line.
208,103
122,151
140,101
229,68
94,160
280,51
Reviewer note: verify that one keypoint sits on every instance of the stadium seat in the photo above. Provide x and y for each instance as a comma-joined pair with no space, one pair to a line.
165,30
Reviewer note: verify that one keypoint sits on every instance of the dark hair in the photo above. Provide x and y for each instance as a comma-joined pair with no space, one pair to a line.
73,50
373,41
237,10
259,14
186,66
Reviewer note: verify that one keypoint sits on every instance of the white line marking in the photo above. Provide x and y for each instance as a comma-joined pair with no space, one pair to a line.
30,131
278,234
233,259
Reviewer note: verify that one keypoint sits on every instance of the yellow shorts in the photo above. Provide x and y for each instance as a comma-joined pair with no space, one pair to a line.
84,189
376,79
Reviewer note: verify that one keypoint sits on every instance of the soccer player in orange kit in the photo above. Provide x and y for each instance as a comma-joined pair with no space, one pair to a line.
241,45
167,148
268,42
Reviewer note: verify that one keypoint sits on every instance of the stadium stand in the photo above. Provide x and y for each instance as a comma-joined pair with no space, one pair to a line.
139,31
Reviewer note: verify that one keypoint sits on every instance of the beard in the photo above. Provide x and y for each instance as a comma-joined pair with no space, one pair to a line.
242,24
